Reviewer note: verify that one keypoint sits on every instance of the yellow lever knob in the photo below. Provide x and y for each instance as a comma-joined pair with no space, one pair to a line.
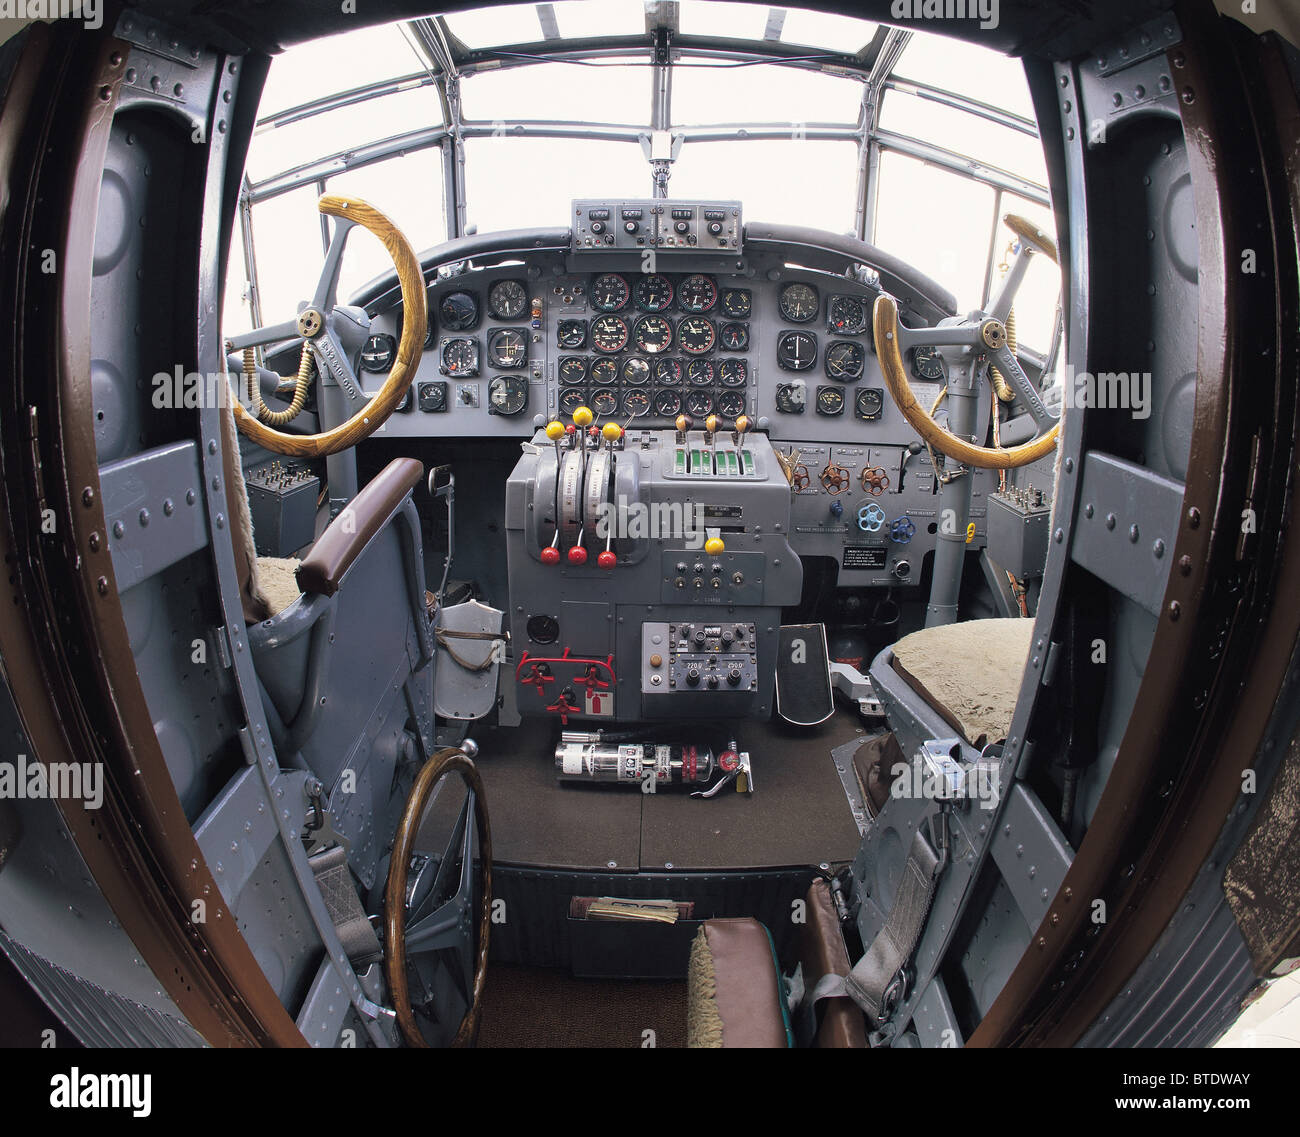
582,416
611,432
554,430
714,545
711,424
742,424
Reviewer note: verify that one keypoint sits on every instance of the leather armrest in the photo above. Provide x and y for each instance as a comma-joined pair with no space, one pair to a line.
324,567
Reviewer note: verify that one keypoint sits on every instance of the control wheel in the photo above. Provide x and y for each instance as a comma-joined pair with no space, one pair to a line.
437,906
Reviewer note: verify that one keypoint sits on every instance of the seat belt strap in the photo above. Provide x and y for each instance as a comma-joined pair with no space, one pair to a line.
874,983
330,867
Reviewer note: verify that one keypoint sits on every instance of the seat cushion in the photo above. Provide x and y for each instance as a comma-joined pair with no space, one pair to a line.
734,992
822,952
278,581
969,672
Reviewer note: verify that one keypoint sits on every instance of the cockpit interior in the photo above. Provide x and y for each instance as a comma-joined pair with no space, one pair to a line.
649,523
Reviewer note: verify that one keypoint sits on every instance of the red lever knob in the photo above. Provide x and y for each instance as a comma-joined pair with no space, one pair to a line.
577,555
550,555
607,559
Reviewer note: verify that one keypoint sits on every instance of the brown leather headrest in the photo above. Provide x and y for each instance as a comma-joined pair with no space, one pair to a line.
324,567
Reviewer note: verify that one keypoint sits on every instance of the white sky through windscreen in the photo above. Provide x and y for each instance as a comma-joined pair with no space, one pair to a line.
931,218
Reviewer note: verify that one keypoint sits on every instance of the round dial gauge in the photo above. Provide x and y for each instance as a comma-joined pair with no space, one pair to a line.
609,292
928,363
507,348
609,334
508,394
699,373
377,354
696,335
432,397
799,302
653,292
571,400
791,398
636,404
731,403
733,373
868,403
830,401
735,337
460,358
737,303
699,403
604,371
846,315
697,293
458,312
508,299
668,372
636,372
604,401
668,403
844,360
571,333
573,370
796,351
653,335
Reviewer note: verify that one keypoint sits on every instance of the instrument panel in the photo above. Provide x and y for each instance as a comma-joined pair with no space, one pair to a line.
643,335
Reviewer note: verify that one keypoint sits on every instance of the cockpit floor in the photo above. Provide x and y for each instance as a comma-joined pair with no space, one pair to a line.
544,1007
798,814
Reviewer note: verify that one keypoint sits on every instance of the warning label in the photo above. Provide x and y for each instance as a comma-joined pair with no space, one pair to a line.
865,556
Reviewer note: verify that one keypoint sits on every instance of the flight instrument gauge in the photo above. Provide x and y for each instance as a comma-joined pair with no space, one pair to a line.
696,335
377,354
508,299
844,360
609,292
791,398
796,351
667,403
928,363
653,292
653,335
846,315
830,401
869,403
697,293
507,394
458,312
507,348
699,403
609,334
668,372
737,303
636,372
735,337
573,371
699,373
636,404
571,400
733,373
571,334
799,303
604,371
604,401
459,358
731,403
